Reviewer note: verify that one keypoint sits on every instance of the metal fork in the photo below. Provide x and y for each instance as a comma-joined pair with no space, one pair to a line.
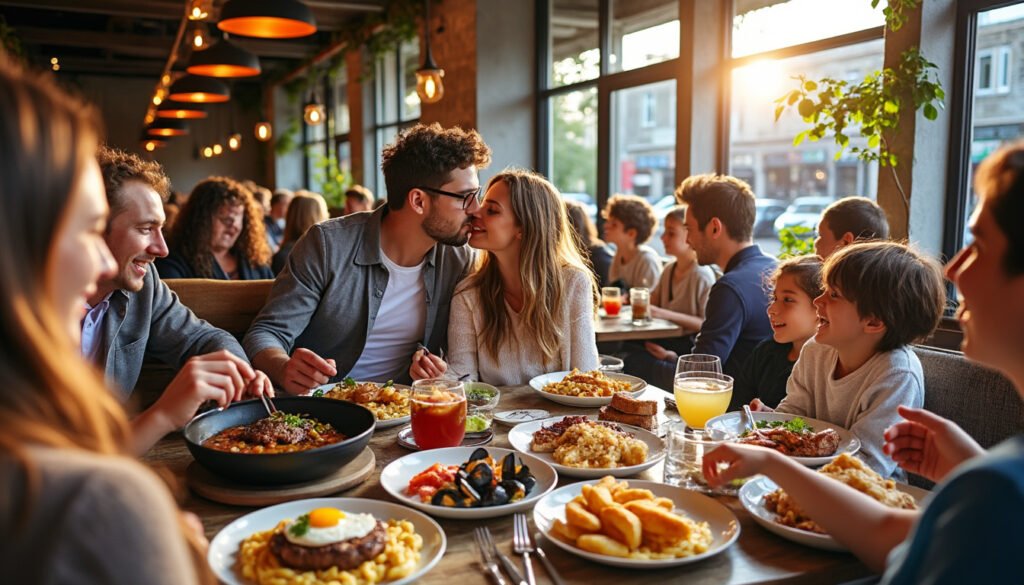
268,404
487,557
523,545
510,567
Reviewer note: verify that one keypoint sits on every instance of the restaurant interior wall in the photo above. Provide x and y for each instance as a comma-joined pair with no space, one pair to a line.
122,103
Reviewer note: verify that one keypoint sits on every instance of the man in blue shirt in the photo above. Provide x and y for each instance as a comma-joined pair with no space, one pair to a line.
719,226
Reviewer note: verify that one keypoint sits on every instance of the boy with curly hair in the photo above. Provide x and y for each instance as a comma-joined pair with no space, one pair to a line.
629,222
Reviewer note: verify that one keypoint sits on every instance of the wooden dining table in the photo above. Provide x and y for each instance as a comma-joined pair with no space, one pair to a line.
621,328
758,556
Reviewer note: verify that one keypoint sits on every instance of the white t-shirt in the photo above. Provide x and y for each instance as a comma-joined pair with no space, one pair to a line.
400,325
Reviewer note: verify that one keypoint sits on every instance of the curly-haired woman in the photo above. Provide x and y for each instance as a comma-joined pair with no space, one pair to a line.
528,307
218,234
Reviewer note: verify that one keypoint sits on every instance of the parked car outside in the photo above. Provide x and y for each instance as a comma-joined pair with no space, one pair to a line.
805,212
768,210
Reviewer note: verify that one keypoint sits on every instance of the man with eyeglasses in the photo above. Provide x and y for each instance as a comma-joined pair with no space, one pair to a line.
360,293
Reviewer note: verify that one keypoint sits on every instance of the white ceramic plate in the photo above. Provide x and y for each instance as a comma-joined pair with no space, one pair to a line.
725,528
381,424
731,422
224,547
518,417
395,478
752,497
521,435
539,382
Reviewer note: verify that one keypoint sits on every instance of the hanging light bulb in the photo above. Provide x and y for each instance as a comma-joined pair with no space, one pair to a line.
217,149
429,86
264,131
208,152
200,40
235,141
313,113
197,10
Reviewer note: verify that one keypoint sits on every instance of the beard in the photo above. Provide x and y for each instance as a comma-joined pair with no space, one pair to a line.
446,232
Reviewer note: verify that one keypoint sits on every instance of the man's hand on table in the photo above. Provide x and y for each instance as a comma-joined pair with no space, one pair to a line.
426,365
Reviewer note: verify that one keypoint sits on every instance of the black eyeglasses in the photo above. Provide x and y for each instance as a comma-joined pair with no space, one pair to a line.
467,198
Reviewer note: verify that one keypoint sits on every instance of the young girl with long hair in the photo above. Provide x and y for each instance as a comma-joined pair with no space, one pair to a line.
74,508
528,306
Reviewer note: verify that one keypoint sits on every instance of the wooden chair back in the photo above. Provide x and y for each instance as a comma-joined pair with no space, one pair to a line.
228,304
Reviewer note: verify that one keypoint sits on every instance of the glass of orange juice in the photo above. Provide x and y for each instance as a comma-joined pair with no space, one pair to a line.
611,298
438,413
701,396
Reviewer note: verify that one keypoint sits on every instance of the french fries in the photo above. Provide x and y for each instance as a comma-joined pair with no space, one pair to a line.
610,518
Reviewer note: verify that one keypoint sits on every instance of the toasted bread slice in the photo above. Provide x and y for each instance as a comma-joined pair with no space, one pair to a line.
629,405
644,421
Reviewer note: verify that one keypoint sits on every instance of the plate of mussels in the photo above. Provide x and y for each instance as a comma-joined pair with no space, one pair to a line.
468,483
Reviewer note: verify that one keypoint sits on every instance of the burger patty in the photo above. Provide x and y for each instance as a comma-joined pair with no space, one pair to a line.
346,555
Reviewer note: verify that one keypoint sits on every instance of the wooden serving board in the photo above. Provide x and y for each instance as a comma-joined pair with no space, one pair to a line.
213,487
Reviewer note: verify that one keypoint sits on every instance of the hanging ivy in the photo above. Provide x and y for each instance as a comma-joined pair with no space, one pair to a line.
872,106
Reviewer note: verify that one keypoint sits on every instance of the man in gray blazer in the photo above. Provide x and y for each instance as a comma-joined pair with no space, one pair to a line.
134,315
358,294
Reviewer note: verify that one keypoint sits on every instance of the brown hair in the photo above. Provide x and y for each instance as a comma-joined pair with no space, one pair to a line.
859,216
584,229
119,167
190,236
893,283
806,270
729,199
547,256
1000,180
425,156
359,193
305,211
635,213
678,213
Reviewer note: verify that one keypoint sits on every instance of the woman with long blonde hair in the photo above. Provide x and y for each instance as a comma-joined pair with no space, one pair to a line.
528,306
73,506
305,211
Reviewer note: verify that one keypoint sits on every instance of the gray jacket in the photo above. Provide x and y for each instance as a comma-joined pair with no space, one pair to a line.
328,294
153,323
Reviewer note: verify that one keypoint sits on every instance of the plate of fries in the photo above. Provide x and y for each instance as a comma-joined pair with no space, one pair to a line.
585,389
388,402
635,524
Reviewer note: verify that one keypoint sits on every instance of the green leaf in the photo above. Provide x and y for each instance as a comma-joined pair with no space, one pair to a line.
318,393
778,111
301,526
930,112
800,137
806,108
348,381
891,107
810,85
794,96
874,141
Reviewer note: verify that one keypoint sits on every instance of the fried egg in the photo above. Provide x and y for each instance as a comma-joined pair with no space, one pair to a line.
325,526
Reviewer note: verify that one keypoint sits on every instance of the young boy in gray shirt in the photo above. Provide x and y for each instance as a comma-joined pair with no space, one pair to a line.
878,298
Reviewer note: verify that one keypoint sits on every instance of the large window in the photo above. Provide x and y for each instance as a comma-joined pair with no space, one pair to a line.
772,44
396,104
992,111
632,150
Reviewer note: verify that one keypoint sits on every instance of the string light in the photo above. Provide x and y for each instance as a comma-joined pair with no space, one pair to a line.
264,131
235,141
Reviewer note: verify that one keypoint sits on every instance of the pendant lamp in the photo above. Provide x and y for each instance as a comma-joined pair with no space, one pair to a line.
224,59
181,110
196,89
269,19
167,127
429,86
264,131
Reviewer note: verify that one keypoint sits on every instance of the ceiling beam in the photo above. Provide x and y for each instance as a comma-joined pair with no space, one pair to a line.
155,9
132,44
120,67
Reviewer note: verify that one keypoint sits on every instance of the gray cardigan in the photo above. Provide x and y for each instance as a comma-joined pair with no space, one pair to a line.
327,296
153,323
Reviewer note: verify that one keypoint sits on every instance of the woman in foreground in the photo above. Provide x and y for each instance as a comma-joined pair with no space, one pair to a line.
970,530
74,508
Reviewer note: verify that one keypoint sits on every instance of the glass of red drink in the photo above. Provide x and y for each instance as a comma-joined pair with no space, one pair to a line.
438,413
611,297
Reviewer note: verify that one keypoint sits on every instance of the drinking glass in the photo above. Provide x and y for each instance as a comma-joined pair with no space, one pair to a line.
684,457
438,413
609,363
698,362
640,301
701,396
611,297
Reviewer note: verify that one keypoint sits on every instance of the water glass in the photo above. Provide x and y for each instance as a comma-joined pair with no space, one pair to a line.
611,298
684,457
609,363
640,301
698,362
438,413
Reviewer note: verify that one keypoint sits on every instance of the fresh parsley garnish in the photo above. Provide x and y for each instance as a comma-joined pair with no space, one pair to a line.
349,381
293,420
301,526
389,383
318,393
795,424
